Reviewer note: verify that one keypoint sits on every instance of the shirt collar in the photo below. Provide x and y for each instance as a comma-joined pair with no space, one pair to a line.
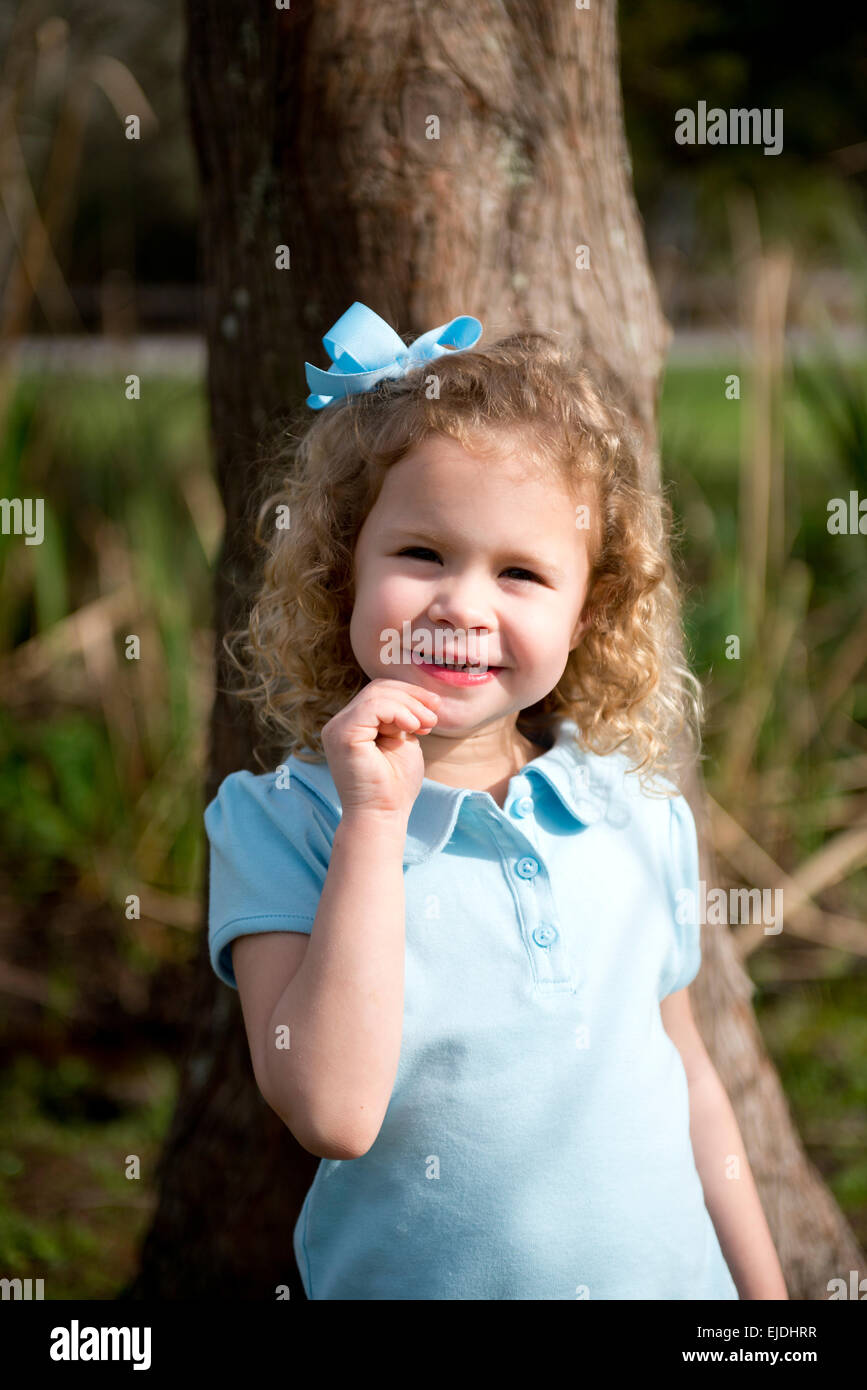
589,786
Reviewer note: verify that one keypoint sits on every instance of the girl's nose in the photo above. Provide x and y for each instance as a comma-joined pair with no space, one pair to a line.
457,610
470,625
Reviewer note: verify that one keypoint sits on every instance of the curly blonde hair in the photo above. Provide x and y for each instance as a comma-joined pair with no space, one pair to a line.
624,685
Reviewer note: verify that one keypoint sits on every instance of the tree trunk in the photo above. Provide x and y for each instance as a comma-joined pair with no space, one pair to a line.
311,128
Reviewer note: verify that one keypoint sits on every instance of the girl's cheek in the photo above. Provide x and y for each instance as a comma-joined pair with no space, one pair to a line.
402,598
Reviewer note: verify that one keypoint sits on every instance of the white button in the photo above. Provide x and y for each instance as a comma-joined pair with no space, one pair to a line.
545,935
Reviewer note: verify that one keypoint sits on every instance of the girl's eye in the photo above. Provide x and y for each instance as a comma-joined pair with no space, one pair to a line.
423,550
534,577
416,550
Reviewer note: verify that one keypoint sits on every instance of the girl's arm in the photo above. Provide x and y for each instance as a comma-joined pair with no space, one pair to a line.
730,1192
343,1004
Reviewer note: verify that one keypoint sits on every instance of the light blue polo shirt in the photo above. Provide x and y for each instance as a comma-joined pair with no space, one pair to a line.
536,1144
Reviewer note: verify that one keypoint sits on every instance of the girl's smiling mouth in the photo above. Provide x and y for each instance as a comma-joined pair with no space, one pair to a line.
451,675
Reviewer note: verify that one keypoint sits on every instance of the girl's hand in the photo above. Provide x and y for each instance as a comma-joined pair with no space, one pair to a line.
372,750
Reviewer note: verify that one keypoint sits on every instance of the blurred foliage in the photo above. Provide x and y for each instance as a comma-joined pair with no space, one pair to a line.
105,771
68,1212
738,55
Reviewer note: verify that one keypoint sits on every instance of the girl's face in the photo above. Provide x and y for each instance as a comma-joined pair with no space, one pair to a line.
489,555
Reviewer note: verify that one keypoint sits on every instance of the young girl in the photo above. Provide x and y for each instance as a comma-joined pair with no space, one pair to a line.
462,913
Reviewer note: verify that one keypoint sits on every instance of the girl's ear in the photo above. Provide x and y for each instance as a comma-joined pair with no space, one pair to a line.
580,628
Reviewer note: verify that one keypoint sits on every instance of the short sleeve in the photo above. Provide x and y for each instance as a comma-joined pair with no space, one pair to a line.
270,847
684,955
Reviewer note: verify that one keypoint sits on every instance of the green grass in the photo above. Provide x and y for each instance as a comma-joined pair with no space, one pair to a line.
69,1214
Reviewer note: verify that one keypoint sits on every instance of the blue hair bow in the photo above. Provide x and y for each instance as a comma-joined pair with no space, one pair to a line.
364,350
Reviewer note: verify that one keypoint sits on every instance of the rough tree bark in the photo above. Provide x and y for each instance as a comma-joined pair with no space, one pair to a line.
310,126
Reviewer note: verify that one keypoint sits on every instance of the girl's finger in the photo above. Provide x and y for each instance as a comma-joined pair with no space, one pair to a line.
395,713
398,718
